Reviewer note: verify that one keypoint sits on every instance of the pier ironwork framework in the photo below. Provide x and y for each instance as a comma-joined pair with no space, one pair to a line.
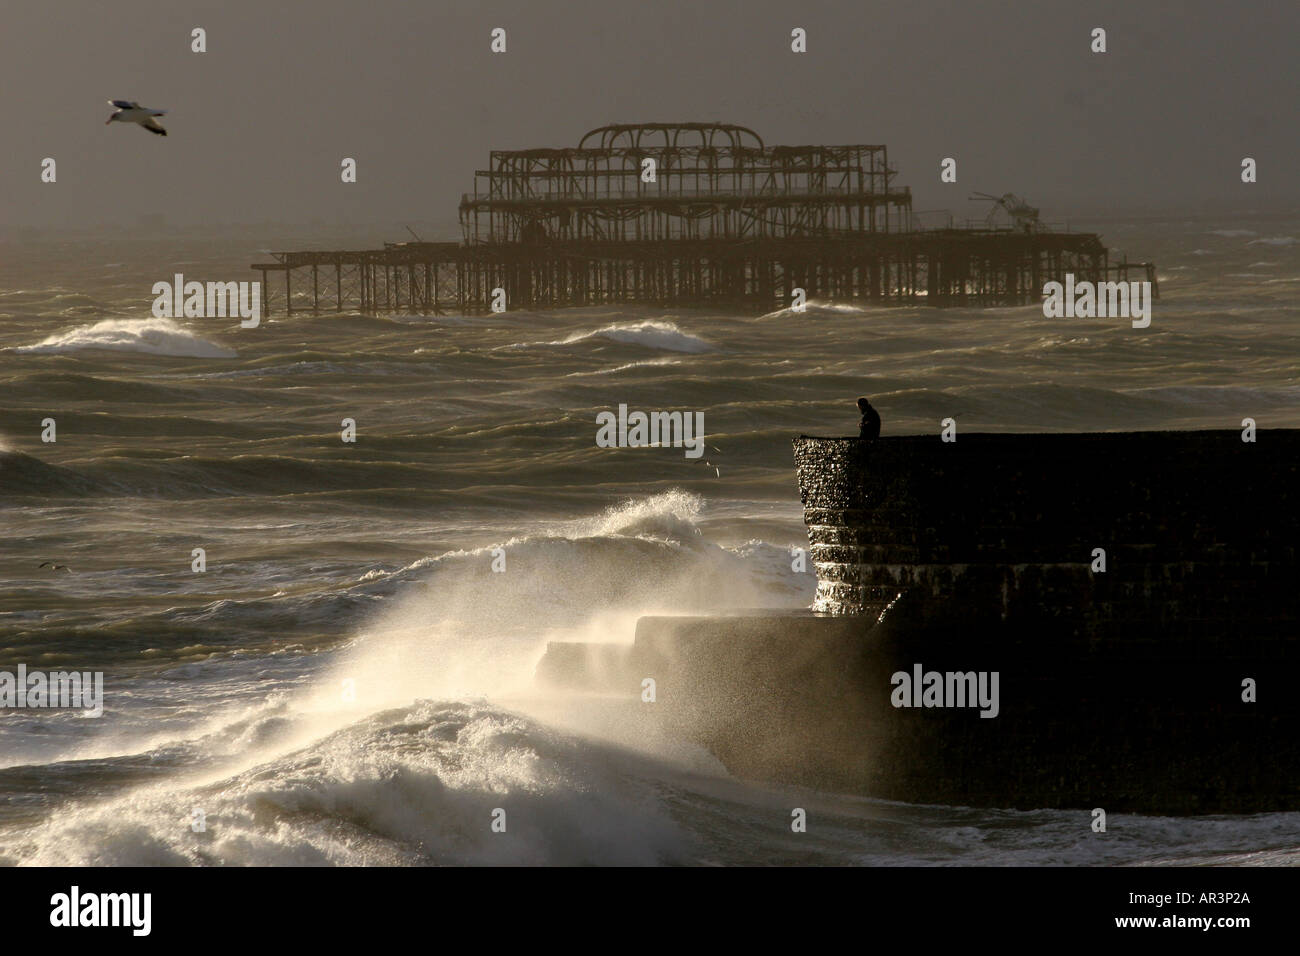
687,214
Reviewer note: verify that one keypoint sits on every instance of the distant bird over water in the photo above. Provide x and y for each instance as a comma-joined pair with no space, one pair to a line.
54,567
129,111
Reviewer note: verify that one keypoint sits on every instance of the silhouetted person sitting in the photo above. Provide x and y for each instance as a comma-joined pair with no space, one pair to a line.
869,427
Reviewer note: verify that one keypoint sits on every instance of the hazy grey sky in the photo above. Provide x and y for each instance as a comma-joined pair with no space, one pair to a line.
259,123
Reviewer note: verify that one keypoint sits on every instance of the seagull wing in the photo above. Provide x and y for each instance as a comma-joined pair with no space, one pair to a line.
122,104
152,126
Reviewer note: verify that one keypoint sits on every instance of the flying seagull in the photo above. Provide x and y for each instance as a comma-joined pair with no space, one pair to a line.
129,111
53,566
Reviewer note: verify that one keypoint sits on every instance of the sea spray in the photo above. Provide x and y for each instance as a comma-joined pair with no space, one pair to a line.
467,631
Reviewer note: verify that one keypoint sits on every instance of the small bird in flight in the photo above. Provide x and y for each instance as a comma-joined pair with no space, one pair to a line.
54,567
129,111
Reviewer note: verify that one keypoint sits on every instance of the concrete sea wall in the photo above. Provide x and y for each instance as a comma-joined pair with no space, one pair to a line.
1166,683
1121,686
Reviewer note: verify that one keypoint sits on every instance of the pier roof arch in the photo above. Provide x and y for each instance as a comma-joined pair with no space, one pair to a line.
672,136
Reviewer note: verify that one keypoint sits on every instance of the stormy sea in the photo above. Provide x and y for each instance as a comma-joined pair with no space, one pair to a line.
349,677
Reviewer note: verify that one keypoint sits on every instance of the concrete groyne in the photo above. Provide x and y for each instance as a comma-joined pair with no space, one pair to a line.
1129,588
1093,620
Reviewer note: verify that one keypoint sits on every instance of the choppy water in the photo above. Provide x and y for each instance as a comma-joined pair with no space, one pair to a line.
371,562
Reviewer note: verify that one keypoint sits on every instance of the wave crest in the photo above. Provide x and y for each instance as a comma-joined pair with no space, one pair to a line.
651,333
151,336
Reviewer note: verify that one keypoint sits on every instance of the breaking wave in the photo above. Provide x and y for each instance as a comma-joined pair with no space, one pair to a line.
651,333
151,336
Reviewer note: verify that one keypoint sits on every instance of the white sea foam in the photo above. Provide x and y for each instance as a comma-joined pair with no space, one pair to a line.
150,336
652,333
648,363
815,307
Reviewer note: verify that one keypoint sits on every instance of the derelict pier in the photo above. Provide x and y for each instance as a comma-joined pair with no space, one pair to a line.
691,214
